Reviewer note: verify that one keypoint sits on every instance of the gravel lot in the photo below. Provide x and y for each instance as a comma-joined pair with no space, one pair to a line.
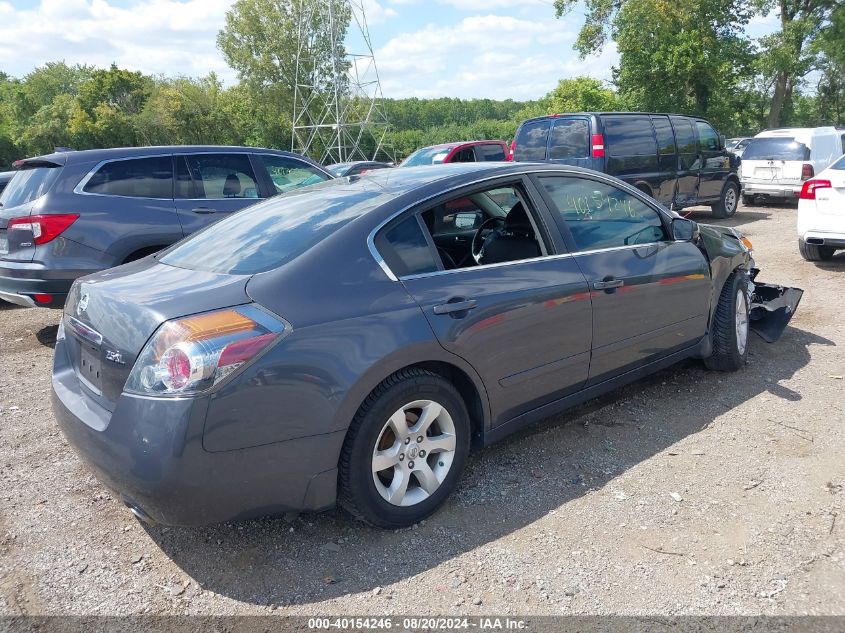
687,493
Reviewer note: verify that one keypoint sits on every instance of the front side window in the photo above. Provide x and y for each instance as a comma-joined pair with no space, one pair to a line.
134,178
570,139
531,141
708,140
222,176
288,173
599,215
684,135
465,155
665,138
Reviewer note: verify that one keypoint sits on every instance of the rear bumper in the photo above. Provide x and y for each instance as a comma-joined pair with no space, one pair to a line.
771,189
20,282
149,451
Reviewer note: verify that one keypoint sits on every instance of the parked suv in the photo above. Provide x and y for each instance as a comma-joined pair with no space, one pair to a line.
777,163
681,161
69,214
461,152
5,177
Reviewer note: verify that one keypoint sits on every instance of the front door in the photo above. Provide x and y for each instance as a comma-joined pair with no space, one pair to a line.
211,186
689,162
715,164
650,295
523,322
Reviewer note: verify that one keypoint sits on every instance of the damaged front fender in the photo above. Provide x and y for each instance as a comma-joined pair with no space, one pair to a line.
771,307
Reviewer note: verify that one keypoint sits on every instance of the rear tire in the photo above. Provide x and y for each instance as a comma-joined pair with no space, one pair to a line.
405,450
728,201
729,333
815,252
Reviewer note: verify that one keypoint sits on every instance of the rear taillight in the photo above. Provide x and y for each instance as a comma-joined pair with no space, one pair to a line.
192,354
512,149
598,146
44,228
807,171
808,191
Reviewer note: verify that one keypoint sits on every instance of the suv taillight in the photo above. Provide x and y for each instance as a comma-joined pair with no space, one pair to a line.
808,191
598,146
807,171
512,150
44,227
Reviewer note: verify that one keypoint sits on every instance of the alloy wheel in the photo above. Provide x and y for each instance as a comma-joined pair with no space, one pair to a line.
741,321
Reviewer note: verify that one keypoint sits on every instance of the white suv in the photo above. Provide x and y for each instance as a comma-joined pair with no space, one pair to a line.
821,214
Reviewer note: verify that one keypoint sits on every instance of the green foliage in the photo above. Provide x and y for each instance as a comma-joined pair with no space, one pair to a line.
582,94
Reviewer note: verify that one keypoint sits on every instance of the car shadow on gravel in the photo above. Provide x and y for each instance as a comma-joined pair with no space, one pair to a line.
506,487
5,305
743,216
47,335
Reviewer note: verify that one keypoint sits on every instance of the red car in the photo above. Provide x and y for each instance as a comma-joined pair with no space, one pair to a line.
460,152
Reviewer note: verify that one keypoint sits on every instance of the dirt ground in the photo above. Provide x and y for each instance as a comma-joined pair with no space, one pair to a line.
690,492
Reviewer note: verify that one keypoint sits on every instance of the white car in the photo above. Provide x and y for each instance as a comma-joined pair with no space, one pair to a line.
821,214
777,163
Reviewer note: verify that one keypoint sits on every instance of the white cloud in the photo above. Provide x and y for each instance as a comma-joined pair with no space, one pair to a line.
485,56
155,36
487,5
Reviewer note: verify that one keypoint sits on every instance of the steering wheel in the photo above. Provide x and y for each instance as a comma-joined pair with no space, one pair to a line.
479,237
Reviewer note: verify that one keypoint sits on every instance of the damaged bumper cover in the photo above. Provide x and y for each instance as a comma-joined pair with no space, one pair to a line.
771,307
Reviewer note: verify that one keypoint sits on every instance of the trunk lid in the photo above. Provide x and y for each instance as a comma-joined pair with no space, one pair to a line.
109,316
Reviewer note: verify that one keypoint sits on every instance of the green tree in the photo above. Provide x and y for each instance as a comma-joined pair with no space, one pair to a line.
581,94
119,89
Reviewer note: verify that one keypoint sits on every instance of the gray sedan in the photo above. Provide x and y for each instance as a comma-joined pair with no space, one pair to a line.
352,341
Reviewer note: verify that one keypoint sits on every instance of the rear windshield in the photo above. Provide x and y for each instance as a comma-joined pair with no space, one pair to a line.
840,164
271,233
427,156
783,148
28,185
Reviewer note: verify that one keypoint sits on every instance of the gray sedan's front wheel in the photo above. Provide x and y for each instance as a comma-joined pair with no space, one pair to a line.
405,450
730,327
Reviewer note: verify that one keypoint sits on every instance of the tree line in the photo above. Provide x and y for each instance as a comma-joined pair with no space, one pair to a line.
686,56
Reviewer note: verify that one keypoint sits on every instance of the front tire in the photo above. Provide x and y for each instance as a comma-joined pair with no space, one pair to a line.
729,332
728,201
815,252
405,450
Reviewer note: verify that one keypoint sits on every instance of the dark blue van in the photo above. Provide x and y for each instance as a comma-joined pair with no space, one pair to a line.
681,161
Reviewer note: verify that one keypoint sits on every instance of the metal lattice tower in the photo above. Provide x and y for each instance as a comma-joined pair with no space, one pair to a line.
338,114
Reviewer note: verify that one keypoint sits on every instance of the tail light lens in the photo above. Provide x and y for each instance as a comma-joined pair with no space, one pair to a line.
808,191
807,171
44,228
598,146
192,354
512,149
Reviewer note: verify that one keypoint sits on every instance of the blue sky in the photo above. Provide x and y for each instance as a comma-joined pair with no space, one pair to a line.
424,48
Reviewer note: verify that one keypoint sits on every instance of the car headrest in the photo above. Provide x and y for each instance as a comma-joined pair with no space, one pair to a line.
517,220
232,186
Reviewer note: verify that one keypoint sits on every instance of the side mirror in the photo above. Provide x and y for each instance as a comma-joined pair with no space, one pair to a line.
722,141
684,230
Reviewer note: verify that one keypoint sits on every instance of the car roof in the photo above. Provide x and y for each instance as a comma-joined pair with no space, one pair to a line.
86,155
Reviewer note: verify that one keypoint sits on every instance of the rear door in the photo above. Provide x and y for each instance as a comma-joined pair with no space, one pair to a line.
774,160
524,325
631,150
532,140
650,295
689,162
569,142
210,186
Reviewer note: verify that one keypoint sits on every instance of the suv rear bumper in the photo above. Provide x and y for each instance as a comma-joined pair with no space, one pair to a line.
771,189
32,284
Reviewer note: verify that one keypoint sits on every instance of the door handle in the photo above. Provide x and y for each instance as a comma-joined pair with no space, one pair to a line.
608,284
451,307
203,210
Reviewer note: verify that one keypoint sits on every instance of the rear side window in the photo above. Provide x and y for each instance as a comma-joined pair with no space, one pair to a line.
490,152
708,140
221,176
665,138
135,178
599,215
532,140
28,185
288,173
273,232
406,250
570,139
781,148
629,136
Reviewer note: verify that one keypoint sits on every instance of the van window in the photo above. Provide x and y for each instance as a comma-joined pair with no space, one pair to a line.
28,185
570,139
708,140
776,148
629,136
490,152
136,178
684,136
531,141
665,138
